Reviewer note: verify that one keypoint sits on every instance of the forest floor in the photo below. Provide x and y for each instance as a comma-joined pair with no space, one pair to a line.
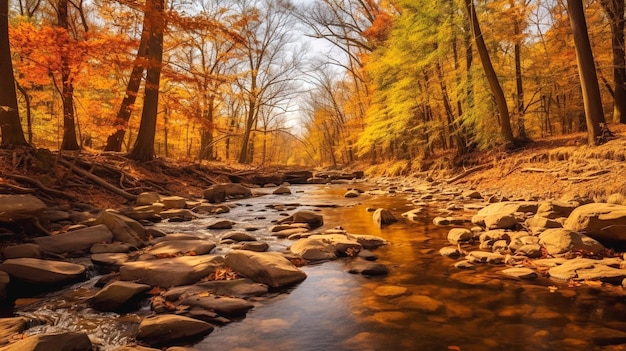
561,167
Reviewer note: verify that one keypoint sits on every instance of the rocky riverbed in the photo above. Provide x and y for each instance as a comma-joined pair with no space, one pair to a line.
172,277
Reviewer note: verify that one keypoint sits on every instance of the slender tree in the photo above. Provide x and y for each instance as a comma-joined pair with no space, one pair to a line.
70,141
492,77
143,149
10,125
115,140
615,13
594,113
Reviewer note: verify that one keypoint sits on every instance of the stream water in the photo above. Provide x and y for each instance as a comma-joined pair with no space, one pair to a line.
444,309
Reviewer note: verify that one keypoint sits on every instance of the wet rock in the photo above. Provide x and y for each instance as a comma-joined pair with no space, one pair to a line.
559,241
282,190
287,233
171,248
449,220
16,207
175,202
180,348
391,291
361,266
65,341
212,209
238,236
110,248
176,237
587,269
135,348
44,272
464,264
118,296
520,273
600,221
352,193
383,217
23,250
237,287
367,255
4,282
169,272
311,218
54,216
124,229
178,213
500,246
607,336
459,235
494,235
221,192
313,249
503,209
77,240
517,241
221,224
368,241
269,268
414,215
225,306
485,257
421,303
168,328
257,246
450,251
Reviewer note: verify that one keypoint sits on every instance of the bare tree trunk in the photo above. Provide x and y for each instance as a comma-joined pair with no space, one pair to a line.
594,113
115,140
10,125
615,13
519,83
70,141
143,150
492,78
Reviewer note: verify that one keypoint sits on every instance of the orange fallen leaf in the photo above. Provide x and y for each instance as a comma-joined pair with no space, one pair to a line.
454,348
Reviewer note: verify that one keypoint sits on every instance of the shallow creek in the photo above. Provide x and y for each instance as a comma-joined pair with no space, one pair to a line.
445,308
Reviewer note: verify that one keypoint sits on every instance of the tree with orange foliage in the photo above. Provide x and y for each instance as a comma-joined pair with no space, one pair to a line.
11,127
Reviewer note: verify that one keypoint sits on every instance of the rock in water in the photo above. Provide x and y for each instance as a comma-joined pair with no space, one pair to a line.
313,219
604,222
68,341
124,229
168,328
270,268
170,272
117,295
383,217
36,271
76,240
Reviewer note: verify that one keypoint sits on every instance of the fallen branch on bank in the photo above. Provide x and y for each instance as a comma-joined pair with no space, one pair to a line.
466,173
94,178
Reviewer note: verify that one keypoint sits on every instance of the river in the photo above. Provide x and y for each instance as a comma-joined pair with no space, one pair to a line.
443,308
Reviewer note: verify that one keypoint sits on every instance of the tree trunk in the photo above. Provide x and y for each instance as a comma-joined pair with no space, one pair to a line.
519,83
492,78
206,150
594,114
243,153
70,141
615,12
115,140
143,150
10,125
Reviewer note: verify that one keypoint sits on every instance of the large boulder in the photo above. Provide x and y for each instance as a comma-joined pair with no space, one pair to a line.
383,217
16,207
221,192
558,241
313,249
44,272
65,341
118,295
170,272
604,222
225,306
76,240
311,218
22,250
124,229
168,328
270,268
500,209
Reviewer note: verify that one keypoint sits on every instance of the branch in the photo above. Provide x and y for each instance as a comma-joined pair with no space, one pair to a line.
94,178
